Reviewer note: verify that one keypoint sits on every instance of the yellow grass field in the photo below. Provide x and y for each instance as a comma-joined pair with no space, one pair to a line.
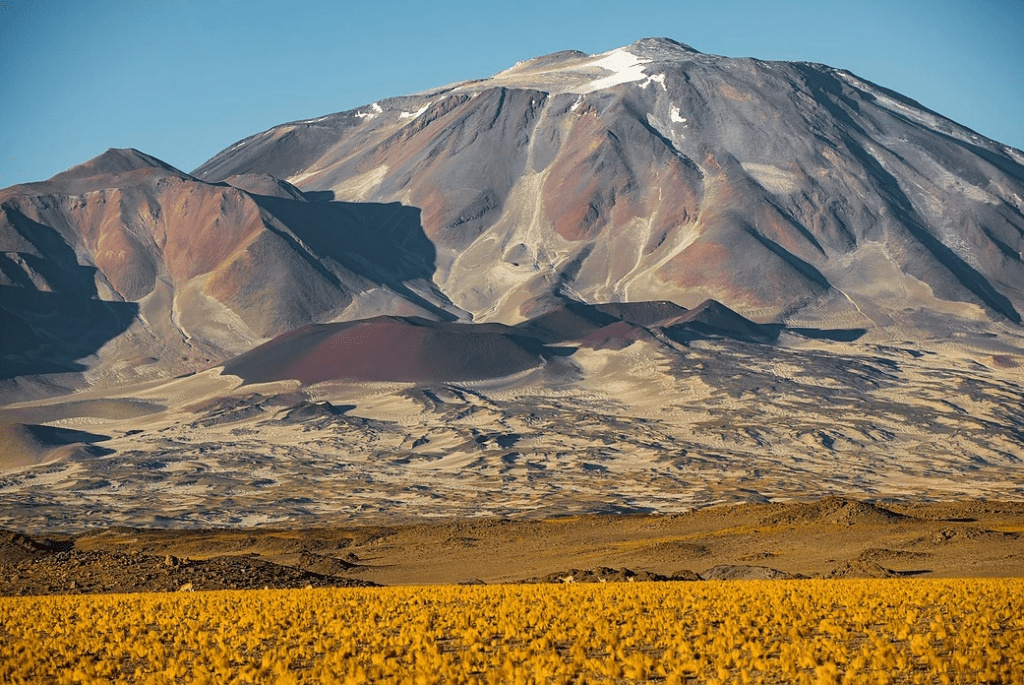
808,631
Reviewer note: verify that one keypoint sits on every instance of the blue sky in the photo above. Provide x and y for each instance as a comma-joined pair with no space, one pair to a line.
182,80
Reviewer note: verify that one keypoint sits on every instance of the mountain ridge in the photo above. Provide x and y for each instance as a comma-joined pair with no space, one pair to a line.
795,194
197,272
744,203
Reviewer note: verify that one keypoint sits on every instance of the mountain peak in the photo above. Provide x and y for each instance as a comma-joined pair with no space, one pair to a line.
265,184
545,62
758,182
114,161
660,48
116,166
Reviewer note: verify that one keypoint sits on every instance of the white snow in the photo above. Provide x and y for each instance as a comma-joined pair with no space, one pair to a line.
657,78
576,105
674,113
375,109
413,115
624,65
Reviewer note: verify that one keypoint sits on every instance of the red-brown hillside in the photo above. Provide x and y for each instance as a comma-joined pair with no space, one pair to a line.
402,349
184,272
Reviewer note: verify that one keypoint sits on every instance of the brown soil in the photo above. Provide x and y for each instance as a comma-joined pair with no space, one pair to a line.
45,567
835,538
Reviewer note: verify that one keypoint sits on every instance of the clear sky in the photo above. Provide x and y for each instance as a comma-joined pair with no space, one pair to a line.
182,80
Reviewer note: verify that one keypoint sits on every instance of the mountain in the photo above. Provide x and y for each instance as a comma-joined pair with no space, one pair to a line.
648,180
713,318
128,258
643,281
785,190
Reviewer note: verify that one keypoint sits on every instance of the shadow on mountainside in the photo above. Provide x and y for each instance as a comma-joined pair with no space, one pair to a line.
384,242
47,330
835,335
43,332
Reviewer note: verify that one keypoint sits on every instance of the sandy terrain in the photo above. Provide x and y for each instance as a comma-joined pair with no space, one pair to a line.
833,537
655,461
645,429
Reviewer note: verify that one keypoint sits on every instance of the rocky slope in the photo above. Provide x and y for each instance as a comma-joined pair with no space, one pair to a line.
177,273
717,543
783,190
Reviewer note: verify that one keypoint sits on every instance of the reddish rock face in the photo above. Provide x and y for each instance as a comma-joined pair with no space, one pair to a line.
127,248
613,170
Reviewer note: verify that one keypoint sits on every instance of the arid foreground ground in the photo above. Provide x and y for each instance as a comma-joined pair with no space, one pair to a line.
833,537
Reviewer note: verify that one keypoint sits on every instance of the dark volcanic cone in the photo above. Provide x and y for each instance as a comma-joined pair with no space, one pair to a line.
399,349
715,319
616,336
646,314
568,322
612,325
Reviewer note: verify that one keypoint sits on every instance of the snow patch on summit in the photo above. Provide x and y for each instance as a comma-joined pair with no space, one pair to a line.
375,109
624,65
413,115
657,78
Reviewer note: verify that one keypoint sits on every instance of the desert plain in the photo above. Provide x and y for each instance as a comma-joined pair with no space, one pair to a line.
720,458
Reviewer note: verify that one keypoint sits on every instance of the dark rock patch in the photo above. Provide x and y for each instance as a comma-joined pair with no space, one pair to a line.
746,572
604,574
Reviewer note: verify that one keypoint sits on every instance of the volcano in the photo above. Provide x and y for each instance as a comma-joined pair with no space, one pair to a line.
784,190
794,194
